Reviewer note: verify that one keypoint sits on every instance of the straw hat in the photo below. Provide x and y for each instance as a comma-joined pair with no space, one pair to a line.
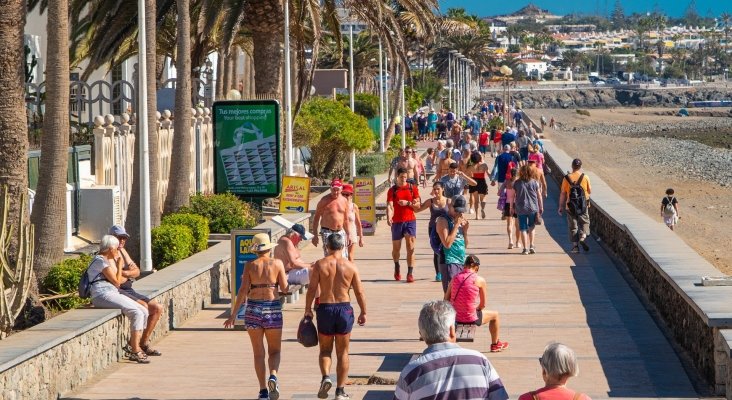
261,242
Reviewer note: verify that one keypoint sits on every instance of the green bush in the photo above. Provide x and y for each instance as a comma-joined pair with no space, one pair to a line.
224,212
396,142
170,244
366,104
64,278
198,225
372,164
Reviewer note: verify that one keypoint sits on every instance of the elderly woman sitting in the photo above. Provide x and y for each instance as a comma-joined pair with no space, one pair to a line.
105,276
558,364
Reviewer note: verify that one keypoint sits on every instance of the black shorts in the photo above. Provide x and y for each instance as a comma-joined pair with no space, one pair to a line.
481,187
334,319
507,211
477,322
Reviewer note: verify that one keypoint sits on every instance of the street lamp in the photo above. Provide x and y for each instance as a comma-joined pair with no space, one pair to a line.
458,77
145,223
450,55
288,93
381,99
352,90
507,72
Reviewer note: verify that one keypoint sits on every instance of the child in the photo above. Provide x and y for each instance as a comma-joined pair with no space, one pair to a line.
670,209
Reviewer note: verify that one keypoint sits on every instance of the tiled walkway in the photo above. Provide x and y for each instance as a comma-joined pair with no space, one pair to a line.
580,300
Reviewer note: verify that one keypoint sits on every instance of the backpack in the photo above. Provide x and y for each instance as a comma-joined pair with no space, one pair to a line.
395,189
84,288
668,209
577,204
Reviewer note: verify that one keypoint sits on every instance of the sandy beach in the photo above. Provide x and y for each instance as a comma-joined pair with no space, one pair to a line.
628,149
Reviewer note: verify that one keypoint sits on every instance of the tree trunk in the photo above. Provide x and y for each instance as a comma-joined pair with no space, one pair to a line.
265,19
396,108
220,95
49,209
180,161
251,76
229,70
13,125
132,223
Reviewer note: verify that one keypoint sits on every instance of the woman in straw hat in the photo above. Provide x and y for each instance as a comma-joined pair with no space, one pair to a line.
263,314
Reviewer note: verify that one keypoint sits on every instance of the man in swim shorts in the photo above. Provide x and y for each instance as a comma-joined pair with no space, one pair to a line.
331,215
334,275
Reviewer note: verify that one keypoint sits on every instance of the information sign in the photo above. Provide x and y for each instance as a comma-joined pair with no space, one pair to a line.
295,197
364,198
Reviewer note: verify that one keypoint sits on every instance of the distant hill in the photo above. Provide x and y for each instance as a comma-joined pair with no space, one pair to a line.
531,10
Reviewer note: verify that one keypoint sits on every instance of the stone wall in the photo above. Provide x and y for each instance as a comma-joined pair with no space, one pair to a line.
611,97
60,355
695,327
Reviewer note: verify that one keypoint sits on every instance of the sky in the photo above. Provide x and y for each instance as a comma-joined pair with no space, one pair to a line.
673,8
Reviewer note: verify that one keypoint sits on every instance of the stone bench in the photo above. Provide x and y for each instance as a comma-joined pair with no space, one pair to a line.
465,332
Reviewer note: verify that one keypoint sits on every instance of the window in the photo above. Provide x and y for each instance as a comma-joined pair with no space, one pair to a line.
117,103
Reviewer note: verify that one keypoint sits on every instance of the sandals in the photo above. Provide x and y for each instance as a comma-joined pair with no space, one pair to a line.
150,351
139,357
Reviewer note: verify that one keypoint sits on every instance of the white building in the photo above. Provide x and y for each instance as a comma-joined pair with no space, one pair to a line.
533,67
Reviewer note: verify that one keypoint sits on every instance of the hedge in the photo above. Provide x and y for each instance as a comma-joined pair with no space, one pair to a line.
170,244
224,212
64,278
198,225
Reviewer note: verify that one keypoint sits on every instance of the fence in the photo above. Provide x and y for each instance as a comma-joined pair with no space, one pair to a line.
114,153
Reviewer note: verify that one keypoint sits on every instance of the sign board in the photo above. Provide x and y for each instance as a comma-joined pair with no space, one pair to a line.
295,197
241,253
363,196
247,147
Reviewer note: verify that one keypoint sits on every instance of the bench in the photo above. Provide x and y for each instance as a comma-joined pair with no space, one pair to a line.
293,295
465,332
380,211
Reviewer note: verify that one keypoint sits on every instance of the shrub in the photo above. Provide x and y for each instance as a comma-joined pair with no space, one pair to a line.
224,212
64,278
396,142
170,244
372,164
366,104
583,112
198,225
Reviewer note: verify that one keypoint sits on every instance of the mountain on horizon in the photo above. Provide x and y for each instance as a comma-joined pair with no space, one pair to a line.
529,10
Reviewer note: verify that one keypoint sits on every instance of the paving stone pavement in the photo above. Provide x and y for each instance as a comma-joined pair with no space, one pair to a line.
580,300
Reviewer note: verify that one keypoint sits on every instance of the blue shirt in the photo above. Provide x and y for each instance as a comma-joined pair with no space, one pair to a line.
501,167
507,138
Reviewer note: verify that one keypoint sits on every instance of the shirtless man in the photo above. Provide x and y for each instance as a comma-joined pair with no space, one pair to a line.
286,251
333,210
334,275
405,161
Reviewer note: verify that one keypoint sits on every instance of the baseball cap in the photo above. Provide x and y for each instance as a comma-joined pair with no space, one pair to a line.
460,204
336,183
117,230
347,188
299,229
576,163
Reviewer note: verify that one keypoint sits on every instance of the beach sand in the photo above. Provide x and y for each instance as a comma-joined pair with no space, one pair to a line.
705,207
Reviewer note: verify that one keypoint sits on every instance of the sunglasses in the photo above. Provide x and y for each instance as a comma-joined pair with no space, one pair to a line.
347,194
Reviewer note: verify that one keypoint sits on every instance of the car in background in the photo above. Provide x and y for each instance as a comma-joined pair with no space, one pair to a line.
599,82
613,81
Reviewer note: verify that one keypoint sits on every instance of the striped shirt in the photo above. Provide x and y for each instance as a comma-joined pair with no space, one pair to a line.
450,372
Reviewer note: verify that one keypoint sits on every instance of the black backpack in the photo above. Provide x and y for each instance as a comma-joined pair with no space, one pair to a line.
84,288
577,202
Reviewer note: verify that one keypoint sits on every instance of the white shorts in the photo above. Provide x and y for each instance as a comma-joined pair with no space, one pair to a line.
670,221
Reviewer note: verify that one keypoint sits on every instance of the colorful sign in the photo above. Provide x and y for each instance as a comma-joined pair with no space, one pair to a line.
241,253
247,147
363,196
295,197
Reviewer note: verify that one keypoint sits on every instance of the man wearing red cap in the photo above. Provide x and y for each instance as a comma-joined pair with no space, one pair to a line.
331,215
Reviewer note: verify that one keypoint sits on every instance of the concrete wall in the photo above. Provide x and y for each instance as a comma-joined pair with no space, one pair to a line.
668,272
58,356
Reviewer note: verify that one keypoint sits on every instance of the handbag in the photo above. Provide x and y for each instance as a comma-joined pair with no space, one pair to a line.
307,333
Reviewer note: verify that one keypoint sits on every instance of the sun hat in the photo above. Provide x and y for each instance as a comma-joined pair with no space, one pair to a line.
261,242
117,230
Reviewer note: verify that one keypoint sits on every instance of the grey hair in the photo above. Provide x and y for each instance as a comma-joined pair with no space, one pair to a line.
335,242
435,321
108,242
559,361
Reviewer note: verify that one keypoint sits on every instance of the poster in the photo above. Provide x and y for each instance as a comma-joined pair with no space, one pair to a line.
241,253
363,196
247,147
295,197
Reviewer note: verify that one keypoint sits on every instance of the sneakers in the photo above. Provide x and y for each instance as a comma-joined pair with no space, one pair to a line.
274,388
397,276
525,251
325,386
584,245
438,277
575,250
532,250
263,395
410,278
510,246
342,396
499,346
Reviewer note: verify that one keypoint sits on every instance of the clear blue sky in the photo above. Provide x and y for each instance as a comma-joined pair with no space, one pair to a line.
674,8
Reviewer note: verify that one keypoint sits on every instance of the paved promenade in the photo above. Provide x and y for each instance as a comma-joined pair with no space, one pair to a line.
580,300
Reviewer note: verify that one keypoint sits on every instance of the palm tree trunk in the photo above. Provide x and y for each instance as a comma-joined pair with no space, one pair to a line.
180,162
251,74
396,108
220,76
230,70
49,209
265,19
132,221
13,125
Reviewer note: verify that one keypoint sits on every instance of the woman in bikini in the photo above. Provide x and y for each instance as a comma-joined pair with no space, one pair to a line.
478,170
263,315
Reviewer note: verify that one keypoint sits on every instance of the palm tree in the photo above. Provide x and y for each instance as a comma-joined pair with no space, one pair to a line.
13,124
49,208
726,19
180,160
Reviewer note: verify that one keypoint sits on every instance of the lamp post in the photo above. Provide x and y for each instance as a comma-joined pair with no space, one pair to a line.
458,75
381,99
145,223
507,72
288,93
402,128
352,91
450,55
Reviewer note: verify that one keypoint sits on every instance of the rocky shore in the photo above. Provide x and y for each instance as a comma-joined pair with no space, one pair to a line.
611,97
